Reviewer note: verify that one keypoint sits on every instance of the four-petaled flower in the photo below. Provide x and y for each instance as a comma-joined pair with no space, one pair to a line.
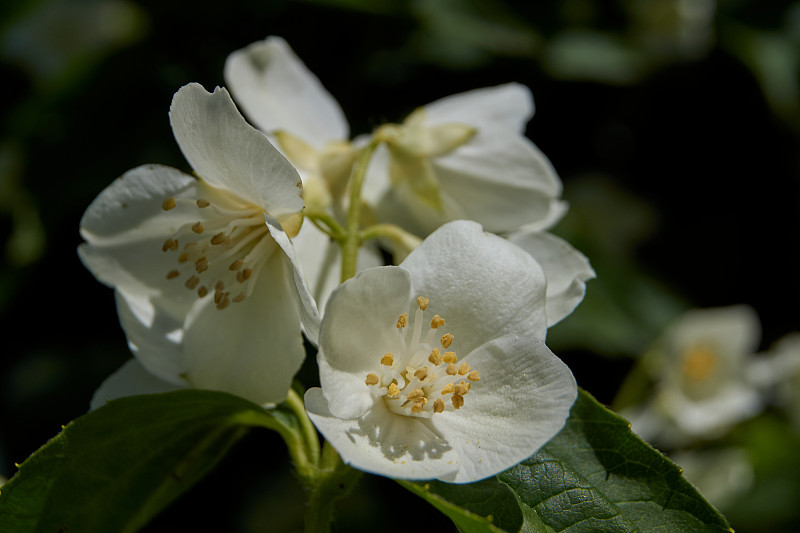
207,286
437,368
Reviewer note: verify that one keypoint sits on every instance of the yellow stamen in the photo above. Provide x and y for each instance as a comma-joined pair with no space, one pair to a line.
192,282
458,401
422,302
183,257
239,297
372,379
202,291
416,394
201,265
463,369
220,286
219,238
172,274
447,340
225,302
437,322
450,357
421,374
438,405
448,388
169,244
474,376
236,265
461,389
201,203
402,321
243,275
394,390
198,227
387,359
435,357
168,204
451,369
417,407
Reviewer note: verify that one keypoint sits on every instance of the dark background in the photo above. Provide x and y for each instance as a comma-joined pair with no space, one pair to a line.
675,136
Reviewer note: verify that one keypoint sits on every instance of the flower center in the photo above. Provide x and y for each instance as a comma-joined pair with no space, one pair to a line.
699,363
221,254
423,379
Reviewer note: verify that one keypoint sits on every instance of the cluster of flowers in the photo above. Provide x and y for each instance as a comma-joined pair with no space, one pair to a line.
435,368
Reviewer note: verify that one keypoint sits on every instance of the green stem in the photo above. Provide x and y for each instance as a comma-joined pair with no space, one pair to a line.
352,240
396,233
329,486
309,433
331,226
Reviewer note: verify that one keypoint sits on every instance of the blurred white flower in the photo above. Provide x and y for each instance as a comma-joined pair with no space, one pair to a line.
703,387
721,475
777,373
203,269
438,368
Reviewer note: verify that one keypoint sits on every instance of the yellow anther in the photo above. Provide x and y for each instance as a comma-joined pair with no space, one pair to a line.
236,265
435,357
463,370
225,302
421,374
438,405
447,340
461,389
372,379
394,390
239,297
219,238
172,274
416,394
402,321
202,291
192,282
218,296
448,388
168,204
220,286
183,257
417,407
458,401
437,322
423,302
387,359
202,203
451,369
201,265
198,227
474,376
170,244
450,357
243,275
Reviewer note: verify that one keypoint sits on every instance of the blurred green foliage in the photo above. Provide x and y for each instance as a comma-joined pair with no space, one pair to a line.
674,125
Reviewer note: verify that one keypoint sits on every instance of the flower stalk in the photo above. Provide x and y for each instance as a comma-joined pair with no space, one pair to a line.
352,238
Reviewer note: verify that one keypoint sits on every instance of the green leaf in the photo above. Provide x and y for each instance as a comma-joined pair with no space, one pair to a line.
487,506
597,476
594,476
115,468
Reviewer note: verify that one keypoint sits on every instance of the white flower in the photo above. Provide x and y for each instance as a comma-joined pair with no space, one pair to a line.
777,374
207,290
466,157
438,368
700,366
288,103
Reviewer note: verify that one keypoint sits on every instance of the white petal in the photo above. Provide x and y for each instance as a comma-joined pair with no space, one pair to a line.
228,153
252,348
309,313
278,92
565,268
522,401
129,380
732,331
482,285
501,179
383,443
509,105
714,416
359,327
154,334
